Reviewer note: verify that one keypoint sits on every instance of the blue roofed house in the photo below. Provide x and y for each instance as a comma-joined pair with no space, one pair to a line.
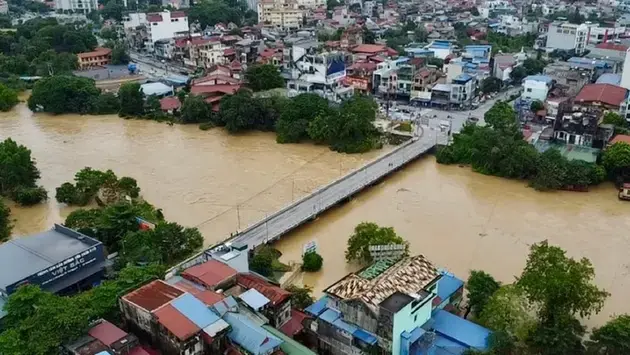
388,307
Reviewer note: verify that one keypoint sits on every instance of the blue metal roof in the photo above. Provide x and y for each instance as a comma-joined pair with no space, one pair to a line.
460,330
225,305
195,310
341,324
447,285
329,315
249,336
254,299
478,46
544,78
588,61
365,336
318,307
463,77
609,78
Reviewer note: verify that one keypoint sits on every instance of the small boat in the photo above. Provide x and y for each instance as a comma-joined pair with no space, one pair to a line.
624,192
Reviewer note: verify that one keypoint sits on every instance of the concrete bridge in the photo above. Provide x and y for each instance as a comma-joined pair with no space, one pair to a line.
309,207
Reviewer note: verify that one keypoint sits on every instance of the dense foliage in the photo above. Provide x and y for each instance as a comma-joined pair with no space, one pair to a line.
611,339
211,12
195,110
167,244
367,234
481,286
18,174
293,123
312,262
490,84
131,100
300,296
63,94
263,77
616,160
8,98
510,44
5,222
39,322
499,149
90,184
42,46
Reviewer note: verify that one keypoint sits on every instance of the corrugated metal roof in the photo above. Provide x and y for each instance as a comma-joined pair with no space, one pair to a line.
210,274
178,324
153,295
289,346
254,299
195,310
448,285
365,336
460,330
249,336
225,305
274,293
107,333
329,315
318,307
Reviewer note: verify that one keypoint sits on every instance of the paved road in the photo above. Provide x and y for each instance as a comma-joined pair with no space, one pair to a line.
153,68
319,201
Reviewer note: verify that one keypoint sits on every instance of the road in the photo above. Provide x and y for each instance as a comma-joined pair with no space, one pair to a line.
153,68
307,208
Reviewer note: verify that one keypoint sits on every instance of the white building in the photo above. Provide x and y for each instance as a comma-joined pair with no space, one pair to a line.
536,87
311,4
625,74
4,7
280,14
161,25
567,36
80,6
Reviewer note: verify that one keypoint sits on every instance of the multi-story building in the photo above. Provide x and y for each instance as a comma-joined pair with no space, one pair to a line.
311,4
536,87
80,6
394,306
423,83
99,57
280,14
156,26
567,36
463,90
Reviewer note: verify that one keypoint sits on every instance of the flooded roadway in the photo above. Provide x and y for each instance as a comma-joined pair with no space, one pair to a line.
458,219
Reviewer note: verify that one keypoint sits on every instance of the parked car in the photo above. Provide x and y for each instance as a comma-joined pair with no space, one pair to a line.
624,192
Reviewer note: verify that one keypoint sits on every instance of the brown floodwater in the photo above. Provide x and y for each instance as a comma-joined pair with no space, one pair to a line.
459,219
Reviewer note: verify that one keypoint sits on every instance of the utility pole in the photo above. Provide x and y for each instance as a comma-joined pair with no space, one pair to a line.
238,216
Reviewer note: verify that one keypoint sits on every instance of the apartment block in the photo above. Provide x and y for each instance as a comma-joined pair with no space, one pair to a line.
280,14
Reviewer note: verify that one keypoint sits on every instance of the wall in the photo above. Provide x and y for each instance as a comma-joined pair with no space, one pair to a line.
535,90
411,317
560,40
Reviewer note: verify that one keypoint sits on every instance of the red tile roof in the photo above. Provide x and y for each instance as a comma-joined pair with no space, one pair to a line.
153,295
229,51
236,65
369,48
209,89
182,327
107,333
274,293
209,274
363,66
170,103
612,46
99,51
620,138
216,76
177,14
605,93
154,17
295,324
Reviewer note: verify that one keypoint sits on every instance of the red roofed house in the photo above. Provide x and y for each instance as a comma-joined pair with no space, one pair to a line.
279,311
359,76
370,50
601,96
351,37
213,275
97,58
106,337
170,104
216,85
620,138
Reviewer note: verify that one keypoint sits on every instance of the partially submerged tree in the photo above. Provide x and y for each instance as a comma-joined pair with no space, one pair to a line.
367,234
481,286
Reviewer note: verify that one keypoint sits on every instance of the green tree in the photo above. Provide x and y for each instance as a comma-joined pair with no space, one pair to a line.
18,174
195,110
560,284
536,106
8,98
131,100
211,12
300,296
616,161
501,116
509,311
490,84
312,262
167,243
63,94
559,336
240,112
518,73
481,286
88,183
262,263
614,119
5,222
119,54
106,103
613,338
367,234
368,36
263,77
112,10
293,123
534,66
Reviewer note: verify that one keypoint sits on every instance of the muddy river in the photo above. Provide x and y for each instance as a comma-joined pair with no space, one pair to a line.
217,182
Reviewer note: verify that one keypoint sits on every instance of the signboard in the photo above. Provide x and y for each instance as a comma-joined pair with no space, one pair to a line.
310,247
387,251
63,268
358,83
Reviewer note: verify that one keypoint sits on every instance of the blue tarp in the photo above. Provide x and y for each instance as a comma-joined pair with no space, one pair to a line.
195,310
365,336
460,330
318,307
329,315
448,285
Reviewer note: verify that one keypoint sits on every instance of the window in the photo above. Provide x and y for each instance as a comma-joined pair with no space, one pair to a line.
529,89
154,24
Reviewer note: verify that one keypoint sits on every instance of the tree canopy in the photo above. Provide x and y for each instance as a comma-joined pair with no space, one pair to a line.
481,286
312,262
294,120
8,98
195,110
263,77
167,244
367,234
616,160
18,174
300,296
508,310
131,100
613,338
63,94
90,184
6,226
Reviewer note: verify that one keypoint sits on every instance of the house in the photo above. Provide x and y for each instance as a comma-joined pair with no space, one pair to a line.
170,104
278,305
99,57
212,275
423,83
104,337
392,307
463,90
218,83
156,26
567,36
351,37
176,321
568,78
536,87
601,96
503,65
359,76
280,14
320,73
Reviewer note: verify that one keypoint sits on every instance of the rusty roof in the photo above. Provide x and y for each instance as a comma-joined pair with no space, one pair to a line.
177,323
606,93
620,138
153,295
274,293
408,276
107,333
209,274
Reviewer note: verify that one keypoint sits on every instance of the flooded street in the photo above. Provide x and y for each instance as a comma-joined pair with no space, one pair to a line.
458,219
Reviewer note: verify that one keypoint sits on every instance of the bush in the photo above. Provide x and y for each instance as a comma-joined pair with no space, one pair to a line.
206,126
28,196
129,186
312,262
261,263
405,127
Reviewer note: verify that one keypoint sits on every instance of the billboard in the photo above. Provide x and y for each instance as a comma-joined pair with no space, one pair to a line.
336,69
47,277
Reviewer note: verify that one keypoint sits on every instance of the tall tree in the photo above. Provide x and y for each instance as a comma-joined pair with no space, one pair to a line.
300,296
131,100
195,110
5,222
167,244
294,120
8,98
263,77
508,310
63,94
613,338
18,173
367,234
616,161
481,286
